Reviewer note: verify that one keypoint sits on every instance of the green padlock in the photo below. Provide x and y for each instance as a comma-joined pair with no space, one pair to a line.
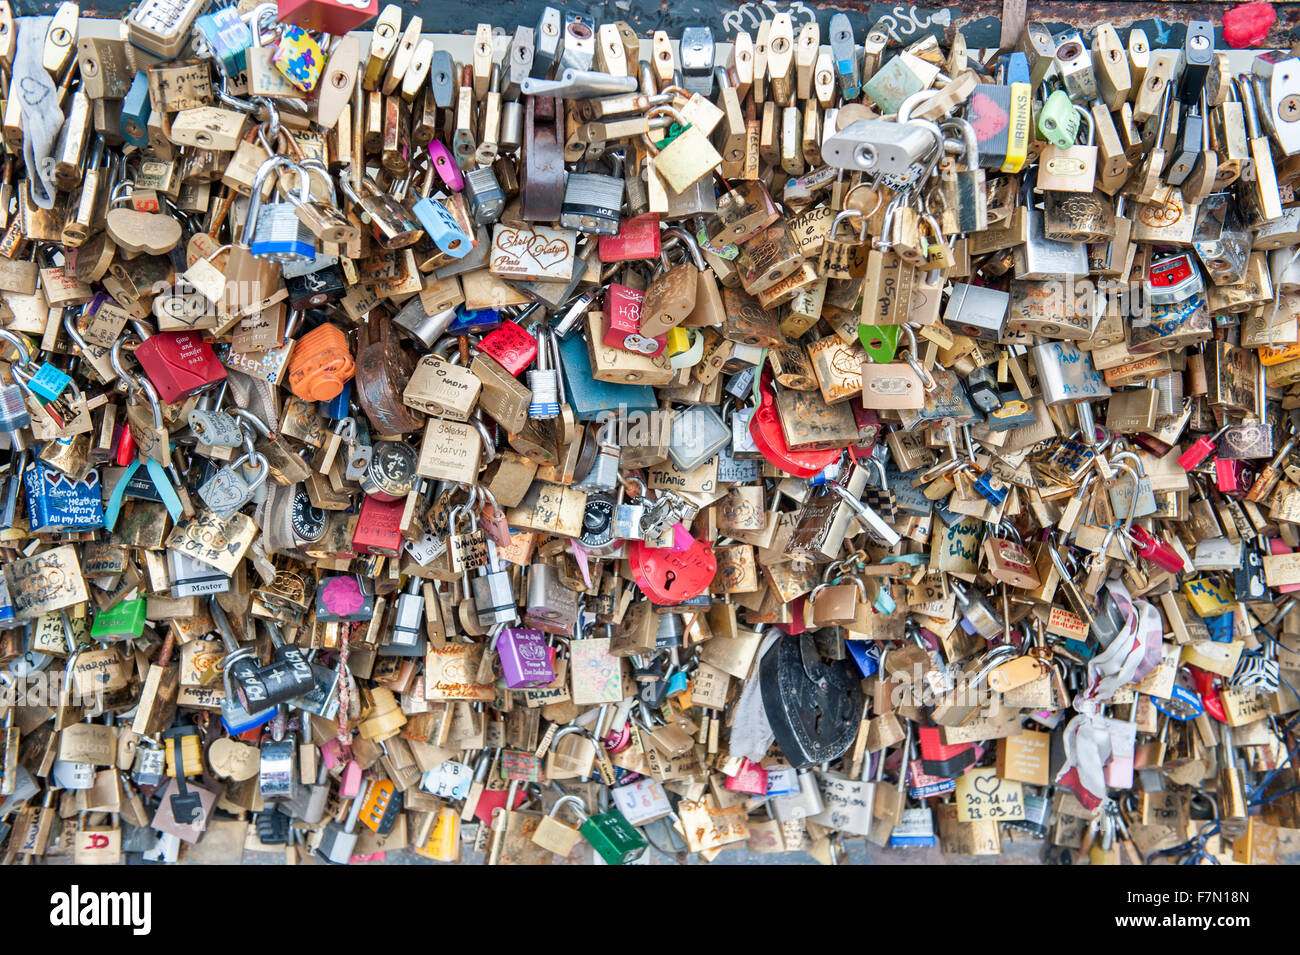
125,621
617,841
1058,122
879,341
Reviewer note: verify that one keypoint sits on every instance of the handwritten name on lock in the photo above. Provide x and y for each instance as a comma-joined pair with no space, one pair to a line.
539,252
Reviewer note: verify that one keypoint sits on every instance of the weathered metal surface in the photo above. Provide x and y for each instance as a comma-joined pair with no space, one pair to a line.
977,19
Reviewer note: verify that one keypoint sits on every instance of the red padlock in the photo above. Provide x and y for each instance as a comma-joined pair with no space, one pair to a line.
796,625
1199,450
669,577
512,347
179,364
623,322
1233,477
1208,693
1150,548
750,778
636,239
379,527
327,16
765,429
125,447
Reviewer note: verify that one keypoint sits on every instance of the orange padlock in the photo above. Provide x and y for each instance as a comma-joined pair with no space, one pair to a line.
321,364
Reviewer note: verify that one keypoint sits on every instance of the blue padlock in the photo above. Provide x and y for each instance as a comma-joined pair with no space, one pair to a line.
336,408
227,37
136,110
991,488
473,321
865,654
443,228
1017,68
590,398
49,382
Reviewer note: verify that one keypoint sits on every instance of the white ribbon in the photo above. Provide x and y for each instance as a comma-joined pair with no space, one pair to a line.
1128,659
42,118
751,733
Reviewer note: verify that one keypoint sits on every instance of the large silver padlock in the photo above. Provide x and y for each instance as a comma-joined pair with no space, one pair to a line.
878,147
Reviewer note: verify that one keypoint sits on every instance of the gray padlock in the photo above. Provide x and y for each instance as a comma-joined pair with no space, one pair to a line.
484,194
215,429
977,311
697,435
226,491
337,842
494,598
805,803
408,638
548,599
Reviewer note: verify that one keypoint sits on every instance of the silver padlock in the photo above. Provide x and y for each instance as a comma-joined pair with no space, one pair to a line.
1044,258
805,803
356,443
215,429
1134,497
548,599
408,622
592,203
628,514
977,311
494,598
484,194
277,777
697,435
337,842
878,147
226,491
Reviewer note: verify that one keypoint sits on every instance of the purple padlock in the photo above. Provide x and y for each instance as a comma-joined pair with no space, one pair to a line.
525,658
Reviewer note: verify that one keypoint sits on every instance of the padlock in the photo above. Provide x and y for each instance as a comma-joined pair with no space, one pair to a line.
494,599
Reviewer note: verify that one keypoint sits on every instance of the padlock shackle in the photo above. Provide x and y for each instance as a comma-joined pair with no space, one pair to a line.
270,165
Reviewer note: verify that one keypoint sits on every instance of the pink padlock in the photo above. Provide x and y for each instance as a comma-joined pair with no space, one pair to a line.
750,778
332,753
350,783
444,164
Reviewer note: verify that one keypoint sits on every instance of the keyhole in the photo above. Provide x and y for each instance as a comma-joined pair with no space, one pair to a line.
669,578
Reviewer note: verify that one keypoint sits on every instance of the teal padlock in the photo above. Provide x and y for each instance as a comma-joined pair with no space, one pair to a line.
49,382
1058,121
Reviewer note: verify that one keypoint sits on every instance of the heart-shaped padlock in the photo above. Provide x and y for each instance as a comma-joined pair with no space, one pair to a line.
765,429
672,576
814,706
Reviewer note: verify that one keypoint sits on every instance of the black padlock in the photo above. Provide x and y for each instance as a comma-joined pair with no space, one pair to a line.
814,707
